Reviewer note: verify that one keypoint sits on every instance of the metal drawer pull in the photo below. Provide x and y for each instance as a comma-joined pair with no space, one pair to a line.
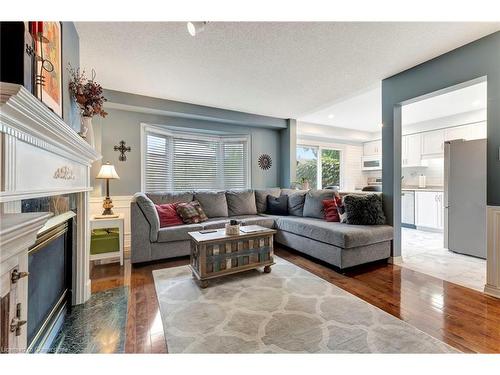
16,275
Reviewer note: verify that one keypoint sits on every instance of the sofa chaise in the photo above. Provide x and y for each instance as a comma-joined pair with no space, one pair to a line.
303,229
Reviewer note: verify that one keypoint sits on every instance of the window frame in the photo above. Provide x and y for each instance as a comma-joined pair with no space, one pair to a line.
319,169
194,134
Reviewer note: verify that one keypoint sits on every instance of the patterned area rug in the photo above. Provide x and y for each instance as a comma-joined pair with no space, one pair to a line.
287,311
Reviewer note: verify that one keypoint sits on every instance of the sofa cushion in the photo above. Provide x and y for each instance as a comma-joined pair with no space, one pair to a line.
178,233
241,202
262,220
277,205
191,212
220,222
364,209
261,198
337,234
216,223
171,197
148,209
313,205
296,199
168,215
213,202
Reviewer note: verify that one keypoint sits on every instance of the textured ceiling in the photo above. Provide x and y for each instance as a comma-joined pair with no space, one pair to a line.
277,69
364,111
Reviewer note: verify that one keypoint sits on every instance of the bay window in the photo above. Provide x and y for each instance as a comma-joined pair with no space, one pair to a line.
177,161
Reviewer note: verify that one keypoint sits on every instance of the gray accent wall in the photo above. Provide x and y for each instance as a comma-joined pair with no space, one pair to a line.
475,61
70,55
288,138
125,124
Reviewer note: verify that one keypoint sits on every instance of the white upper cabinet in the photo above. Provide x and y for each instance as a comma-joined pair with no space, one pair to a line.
372,148
458,132
411,150
478,131
433,143
467,132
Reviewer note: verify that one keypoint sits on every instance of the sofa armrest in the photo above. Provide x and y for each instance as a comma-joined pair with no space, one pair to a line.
140,235
148,209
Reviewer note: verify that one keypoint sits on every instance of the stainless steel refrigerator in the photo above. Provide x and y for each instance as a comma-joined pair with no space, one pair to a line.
465,197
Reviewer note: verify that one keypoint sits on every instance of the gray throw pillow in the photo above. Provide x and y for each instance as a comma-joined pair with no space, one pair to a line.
261,198
296,202
313,205
364,209
171,197
241,202
149,210
214,203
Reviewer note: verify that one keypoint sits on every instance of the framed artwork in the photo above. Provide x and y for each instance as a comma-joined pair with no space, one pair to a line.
51,50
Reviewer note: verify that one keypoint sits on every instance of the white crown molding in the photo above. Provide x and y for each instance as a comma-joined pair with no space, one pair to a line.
26,118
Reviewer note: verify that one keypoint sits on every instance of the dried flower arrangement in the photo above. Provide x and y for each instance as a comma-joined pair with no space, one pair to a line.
87,93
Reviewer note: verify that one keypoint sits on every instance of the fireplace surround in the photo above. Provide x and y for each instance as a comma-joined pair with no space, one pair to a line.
41,156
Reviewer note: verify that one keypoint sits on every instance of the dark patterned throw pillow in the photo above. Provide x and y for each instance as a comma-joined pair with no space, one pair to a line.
191,212
364,209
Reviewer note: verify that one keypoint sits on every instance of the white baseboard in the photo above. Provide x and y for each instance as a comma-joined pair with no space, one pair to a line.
492,291
395,260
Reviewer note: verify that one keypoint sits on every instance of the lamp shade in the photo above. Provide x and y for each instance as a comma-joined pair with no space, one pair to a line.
108,171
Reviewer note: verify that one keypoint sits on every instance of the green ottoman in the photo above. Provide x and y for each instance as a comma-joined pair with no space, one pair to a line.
104,241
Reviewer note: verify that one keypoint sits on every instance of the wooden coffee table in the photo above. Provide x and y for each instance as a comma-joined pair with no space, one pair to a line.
217,254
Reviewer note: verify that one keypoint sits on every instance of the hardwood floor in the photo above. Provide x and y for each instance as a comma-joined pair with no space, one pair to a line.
463,318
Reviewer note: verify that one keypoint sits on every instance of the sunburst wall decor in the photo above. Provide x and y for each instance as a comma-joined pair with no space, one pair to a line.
265,161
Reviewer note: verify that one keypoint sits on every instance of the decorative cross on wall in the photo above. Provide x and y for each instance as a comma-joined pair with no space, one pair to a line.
123,149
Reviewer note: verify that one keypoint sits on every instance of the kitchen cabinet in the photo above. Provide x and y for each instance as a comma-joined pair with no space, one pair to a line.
458,132
408,208
478,131
433,143
429,209
372,148
411,150
467,132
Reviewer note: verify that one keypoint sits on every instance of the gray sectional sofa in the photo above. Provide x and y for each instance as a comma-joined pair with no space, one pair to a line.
304,229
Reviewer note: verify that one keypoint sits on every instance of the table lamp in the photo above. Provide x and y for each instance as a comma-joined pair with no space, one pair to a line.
107,173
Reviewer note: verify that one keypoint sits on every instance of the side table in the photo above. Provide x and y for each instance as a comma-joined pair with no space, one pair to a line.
105,223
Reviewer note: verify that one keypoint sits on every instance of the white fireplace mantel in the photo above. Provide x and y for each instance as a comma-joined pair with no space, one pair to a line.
42,156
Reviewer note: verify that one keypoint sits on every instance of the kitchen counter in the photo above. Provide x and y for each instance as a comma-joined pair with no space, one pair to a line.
427,188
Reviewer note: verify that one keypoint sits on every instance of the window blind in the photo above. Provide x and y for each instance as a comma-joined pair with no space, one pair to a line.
176,162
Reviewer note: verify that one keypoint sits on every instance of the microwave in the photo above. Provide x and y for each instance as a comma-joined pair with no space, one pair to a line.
371,163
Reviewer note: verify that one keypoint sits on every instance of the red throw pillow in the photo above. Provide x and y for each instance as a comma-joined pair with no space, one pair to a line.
330,206
168,215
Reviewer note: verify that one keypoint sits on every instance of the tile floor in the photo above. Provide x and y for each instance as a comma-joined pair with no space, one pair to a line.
424,252
97,326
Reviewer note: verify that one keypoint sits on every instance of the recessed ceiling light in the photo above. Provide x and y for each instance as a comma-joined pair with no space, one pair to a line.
196,27
331,115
